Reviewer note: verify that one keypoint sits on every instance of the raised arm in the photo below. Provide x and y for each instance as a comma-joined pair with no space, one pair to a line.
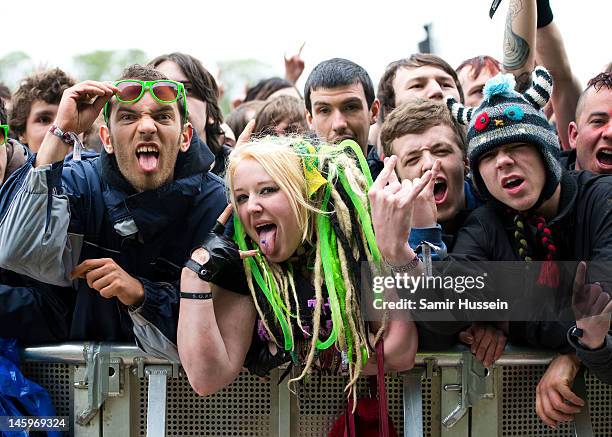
80,106
215,325
294,66
35,212
214,335
519,41
392,204
592,339
550,52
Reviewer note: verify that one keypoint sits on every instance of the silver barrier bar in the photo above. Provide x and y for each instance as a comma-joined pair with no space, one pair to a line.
582,421
157,400
76,353
413,403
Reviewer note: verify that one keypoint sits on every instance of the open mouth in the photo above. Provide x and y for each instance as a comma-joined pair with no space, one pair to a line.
440,190
267,237
604,157
148,157
513,184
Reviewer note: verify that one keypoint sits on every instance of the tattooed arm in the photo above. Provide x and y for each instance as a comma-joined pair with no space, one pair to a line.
519,40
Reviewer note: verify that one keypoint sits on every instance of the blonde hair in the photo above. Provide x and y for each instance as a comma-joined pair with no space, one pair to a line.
284,165
284,159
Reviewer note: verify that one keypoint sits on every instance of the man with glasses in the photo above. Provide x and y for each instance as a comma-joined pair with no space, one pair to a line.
118,227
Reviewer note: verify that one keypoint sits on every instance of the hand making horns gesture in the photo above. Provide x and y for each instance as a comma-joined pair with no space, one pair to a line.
392,205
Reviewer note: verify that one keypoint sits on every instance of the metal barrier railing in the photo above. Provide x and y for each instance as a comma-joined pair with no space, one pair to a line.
76,353
118,390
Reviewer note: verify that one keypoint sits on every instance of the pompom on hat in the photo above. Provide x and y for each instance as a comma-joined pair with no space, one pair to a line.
506,116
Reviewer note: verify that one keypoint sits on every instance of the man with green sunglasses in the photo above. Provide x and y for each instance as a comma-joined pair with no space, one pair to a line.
164,91
121,224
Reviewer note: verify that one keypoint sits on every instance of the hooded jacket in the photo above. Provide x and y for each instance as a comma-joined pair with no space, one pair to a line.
568,159
30,311
54,217
582,230
598,361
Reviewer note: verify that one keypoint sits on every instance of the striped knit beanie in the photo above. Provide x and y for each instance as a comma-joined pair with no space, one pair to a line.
506,116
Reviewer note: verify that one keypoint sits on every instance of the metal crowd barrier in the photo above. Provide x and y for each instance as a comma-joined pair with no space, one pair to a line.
116,390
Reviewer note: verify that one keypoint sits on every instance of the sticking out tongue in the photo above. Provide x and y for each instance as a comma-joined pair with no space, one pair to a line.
148,161
267,239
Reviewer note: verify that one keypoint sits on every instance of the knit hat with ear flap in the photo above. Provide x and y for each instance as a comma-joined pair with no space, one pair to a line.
506,116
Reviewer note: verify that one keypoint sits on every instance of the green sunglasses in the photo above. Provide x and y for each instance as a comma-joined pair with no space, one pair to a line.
4,128
164,91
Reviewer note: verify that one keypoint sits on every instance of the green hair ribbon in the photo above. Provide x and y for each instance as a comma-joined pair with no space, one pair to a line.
323,230
363,164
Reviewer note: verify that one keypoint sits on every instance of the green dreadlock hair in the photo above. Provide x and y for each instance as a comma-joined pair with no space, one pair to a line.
327,189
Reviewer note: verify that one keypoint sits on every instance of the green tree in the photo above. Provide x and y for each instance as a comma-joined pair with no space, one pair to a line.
106,64
14,66
237,74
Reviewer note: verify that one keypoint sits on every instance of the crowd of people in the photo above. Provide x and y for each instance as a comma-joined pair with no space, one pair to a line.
115,224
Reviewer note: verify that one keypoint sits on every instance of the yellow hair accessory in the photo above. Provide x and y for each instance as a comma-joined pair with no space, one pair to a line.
314,179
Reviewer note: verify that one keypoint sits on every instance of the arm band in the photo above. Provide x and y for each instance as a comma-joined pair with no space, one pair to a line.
545,14
196,295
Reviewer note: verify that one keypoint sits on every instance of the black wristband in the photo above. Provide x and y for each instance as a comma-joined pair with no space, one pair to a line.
198,296
545,14
203,273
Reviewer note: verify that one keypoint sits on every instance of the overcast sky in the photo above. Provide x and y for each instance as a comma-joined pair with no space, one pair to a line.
371,33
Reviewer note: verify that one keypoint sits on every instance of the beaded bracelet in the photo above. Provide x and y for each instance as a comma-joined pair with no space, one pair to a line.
69,138
406,267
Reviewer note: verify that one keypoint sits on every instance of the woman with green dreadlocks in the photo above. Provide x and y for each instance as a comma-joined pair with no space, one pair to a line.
304,226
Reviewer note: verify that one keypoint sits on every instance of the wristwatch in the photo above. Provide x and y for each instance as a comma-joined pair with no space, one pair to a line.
575,333
574,336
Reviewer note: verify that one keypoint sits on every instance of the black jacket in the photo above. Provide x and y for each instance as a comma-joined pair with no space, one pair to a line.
149,234
170,222
30,311
598,361
582,229
221,161
34,312
374,162
568,159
